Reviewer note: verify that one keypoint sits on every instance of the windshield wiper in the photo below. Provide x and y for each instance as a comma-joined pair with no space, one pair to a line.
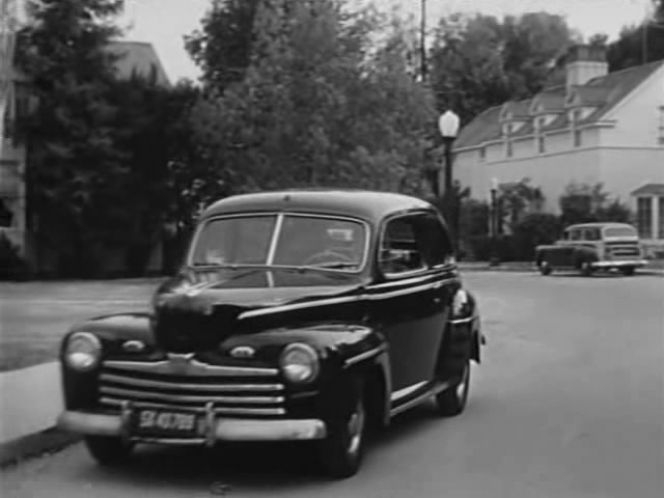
337,265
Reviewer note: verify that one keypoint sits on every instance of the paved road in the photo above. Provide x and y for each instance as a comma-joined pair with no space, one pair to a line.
568,403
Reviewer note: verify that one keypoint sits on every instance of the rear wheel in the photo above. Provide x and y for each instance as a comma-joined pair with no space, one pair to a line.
453,401
628,271
341,451
545,268
108,450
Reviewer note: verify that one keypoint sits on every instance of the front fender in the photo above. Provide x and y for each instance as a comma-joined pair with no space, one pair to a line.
113,331
346,351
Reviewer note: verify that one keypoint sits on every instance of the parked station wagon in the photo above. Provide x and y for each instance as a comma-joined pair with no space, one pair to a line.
593,246
297,315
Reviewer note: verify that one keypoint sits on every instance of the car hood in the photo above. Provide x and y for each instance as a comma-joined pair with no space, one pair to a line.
196,310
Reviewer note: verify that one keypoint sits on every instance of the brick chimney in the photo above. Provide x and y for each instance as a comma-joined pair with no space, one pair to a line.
585,62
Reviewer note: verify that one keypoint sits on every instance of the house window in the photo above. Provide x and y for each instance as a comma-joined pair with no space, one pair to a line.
644,217
660,137
576,132
509,149
541,144
660,210
482,153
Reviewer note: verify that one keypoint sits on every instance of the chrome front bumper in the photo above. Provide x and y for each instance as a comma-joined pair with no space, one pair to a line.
216,429
619,263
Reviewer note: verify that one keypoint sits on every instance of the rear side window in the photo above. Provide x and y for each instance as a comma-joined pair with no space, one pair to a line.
414,242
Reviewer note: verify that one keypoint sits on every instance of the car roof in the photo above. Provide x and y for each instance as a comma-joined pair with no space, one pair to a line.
600,224
364,204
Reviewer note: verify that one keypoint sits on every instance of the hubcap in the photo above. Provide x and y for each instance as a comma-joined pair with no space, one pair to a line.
463,384
356,428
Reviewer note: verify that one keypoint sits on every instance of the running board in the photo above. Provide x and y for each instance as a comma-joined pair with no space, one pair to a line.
432,391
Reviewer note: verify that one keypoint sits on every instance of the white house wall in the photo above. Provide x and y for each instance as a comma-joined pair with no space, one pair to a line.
551,171
624,169
637,117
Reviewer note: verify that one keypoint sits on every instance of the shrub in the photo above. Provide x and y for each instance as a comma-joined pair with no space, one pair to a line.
533,230
12,265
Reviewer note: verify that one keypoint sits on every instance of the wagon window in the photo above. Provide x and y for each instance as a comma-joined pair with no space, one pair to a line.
575,235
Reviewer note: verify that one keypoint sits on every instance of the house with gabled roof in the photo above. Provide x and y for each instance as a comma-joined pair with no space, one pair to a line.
598,127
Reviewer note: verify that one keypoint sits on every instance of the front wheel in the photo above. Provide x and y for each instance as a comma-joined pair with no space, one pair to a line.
586,268
453,401
107,450
341,451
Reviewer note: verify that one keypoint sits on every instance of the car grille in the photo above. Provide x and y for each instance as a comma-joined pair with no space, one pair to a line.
192,385
623,249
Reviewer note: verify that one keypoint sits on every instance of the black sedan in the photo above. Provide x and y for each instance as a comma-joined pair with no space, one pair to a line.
297,315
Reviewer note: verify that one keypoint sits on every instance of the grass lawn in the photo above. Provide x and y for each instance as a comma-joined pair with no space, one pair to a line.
35,315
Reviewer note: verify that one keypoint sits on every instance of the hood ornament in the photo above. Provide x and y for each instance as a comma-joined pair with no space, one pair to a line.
180,362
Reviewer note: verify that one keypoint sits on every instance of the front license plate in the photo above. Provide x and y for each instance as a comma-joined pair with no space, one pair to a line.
165,423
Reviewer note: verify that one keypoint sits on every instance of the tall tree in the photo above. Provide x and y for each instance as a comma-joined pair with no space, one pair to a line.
641,43
481,61
316,106
71,152
222,46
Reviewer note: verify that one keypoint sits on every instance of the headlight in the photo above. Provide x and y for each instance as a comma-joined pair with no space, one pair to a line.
299,363
460,304
82,352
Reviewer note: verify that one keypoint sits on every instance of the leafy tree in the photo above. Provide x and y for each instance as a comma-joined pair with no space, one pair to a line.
316,105
71,153
222,47
583,203
480,61
517,198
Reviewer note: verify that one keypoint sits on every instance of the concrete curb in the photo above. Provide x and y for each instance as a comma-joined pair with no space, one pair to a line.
34,445
30,401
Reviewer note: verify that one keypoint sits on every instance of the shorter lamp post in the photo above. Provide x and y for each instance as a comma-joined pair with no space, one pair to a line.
493,223
448,124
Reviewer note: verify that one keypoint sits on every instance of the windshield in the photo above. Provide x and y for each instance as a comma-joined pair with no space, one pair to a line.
301,240
620,232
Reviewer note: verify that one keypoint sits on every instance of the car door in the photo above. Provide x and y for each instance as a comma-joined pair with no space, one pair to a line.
412,301
564,255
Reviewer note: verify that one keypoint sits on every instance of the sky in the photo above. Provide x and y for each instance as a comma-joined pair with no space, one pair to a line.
165,22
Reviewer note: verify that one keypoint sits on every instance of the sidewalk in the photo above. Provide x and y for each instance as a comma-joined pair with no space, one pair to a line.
30,401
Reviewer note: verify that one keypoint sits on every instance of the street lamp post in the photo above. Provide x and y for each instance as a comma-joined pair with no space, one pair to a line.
493,223
448,124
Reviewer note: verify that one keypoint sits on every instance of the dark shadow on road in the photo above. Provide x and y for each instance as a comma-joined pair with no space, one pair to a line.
269,467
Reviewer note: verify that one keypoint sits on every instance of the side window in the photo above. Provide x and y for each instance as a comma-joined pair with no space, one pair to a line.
399,251
433,240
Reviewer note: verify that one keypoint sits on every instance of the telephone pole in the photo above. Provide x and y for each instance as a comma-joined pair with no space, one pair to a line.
8,26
